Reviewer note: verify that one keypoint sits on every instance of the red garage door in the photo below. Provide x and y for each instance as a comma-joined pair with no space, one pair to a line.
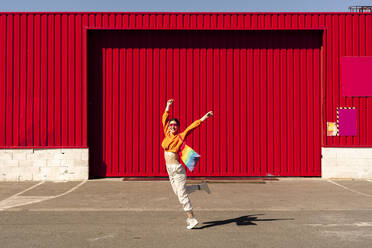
263,86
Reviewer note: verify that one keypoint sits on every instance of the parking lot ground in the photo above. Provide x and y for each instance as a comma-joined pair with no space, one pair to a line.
296,212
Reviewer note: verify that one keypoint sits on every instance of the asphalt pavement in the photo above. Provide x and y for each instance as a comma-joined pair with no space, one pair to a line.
297,212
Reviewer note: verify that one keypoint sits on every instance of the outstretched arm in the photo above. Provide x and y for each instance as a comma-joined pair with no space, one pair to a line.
165,119
206,116
195,124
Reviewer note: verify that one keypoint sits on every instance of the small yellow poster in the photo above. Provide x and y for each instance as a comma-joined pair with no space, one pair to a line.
331,129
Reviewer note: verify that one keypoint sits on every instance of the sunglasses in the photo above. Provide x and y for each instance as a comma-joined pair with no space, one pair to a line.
173,125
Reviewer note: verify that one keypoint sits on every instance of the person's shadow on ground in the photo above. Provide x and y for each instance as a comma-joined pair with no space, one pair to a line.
247,220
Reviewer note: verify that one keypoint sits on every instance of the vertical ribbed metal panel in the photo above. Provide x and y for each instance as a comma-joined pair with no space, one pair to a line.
43,91
264,87
43,85
347,35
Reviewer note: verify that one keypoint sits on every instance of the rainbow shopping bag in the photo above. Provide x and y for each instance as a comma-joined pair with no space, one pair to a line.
188,156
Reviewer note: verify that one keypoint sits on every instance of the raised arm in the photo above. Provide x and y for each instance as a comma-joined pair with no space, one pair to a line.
195,124
206,116
165,119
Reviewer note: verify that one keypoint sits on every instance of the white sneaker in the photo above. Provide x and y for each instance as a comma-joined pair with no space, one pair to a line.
204,186
191,223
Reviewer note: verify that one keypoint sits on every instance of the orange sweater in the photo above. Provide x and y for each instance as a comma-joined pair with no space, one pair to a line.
172,143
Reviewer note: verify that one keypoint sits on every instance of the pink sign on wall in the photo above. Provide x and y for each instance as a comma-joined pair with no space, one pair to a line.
356,79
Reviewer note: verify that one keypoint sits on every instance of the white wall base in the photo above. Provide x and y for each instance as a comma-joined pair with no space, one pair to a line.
73,164
347,163
44,164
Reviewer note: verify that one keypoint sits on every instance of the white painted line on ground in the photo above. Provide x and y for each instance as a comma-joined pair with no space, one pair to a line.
357,224
17,200
20,201
180,210
103,237
28,189
351,190
69,191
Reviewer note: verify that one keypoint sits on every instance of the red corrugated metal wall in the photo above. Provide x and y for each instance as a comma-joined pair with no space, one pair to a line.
263,86
43,90
43,83
347,35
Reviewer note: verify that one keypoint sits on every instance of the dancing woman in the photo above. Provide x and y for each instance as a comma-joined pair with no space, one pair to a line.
177,174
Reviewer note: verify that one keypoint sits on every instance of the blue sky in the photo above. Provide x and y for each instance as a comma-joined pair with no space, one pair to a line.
184,5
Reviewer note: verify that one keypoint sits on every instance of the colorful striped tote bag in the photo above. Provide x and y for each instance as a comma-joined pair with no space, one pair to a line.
188,156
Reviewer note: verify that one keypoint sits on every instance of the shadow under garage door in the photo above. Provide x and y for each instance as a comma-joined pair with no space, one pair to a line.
263,86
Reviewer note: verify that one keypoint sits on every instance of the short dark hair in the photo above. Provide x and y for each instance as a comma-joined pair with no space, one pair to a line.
176,120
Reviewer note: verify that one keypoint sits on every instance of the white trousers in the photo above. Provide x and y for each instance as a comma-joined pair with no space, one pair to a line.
177,178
